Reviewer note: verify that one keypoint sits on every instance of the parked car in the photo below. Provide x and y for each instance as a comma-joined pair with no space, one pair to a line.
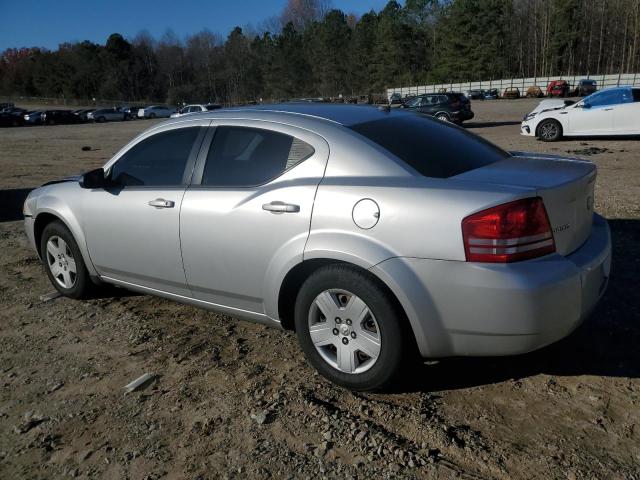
4,105
612,111
59,117
155,111
130,113
395,100
11,119
585,87
476,94
326,189
511,93
491,94
83,113
534,92
199,108
106,115
448,107
558,88
33,118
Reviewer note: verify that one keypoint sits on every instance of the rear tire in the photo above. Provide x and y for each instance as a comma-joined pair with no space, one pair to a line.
63,261
350,329
549,130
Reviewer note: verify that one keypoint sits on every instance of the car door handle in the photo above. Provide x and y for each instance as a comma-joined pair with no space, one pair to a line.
281,207
607,109
162,203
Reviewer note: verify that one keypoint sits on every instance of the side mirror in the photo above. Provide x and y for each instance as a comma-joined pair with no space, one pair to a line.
568,102
94,179
586,105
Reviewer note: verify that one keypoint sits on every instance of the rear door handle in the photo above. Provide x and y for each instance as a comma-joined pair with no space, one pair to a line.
281,207
607,109
162,203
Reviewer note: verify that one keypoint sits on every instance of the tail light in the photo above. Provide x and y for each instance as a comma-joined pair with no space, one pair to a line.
510,232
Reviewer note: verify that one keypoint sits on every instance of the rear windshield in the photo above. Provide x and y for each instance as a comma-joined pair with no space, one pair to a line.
433,148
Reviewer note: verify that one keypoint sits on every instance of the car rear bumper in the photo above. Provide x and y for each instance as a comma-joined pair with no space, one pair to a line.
474,309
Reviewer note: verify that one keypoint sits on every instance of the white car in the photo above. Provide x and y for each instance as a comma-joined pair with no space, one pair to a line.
612,111
195,109
155,111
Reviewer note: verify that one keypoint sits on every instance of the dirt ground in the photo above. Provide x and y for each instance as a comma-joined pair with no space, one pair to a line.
233,399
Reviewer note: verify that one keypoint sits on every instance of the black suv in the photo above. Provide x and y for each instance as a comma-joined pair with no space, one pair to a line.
448,107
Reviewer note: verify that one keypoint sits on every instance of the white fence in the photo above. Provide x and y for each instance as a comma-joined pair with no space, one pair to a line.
521,83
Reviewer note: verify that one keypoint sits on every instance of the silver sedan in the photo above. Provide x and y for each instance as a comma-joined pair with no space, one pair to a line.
372,233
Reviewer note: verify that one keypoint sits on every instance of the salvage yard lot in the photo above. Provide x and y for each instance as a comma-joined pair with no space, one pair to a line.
237,399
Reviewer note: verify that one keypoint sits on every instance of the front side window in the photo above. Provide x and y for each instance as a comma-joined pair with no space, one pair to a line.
158,160
244,157
636,94
604,98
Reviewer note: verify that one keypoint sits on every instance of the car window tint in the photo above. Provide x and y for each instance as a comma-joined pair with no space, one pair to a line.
242,157
158,160
431,147
636,94
626,96
608,97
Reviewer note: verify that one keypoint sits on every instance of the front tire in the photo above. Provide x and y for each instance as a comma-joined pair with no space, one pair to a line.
443,117
63,261
549,130
350,329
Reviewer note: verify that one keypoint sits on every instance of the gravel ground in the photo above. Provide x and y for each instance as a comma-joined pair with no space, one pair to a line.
232,399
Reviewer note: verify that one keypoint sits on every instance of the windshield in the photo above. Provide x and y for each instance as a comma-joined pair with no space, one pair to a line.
433,148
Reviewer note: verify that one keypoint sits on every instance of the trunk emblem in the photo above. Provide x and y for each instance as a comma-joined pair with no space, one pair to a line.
561,228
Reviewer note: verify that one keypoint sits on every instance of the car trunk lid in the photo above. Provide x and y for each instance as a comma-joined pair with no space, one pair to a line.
565,185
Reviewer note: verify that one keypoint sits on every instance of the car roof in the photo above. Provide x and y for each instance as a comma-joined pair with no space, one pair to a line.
343,114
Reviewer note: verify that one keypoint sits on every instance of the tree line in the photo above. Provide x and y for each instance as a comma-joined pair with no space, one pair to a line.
314,50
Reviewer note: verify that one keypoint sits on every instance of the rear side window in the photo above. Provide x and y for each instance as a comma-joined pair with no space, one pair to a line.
431,147
159,160
246,157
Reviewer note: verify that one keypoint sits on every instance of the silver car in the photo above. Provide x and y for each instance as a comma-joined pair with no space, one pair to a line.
106,115
155,111
373,233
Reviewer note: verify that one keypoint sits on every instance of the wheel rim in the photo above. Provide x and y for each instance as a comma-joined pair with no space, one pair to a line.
344,331
443,118
548,130
61,262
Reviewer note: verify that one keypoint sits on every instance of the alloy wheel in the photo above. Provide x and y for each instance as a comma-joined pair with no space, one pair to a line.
61,262
344,331
549,131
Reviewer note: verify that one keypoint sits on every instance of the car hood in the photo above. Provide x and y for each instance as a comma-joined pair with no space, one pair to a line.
551,104
73,178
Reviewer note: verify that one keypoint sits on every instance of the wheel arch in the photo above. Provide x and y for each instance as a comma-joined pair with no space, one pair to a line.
47,215
293,280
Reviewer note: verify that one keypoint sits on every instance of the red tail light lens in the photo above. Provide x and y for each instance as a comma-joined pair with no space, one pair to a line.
510,232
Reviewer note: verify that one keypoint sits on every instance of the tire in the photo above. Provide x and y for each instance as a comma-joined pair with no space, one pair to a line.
549,130
101,120
443,117
57,243
340,356
152,116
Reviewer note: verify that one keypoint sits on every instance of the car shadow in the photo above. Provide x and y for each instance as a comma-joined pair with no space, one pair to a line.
606,344
11,201
489,124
